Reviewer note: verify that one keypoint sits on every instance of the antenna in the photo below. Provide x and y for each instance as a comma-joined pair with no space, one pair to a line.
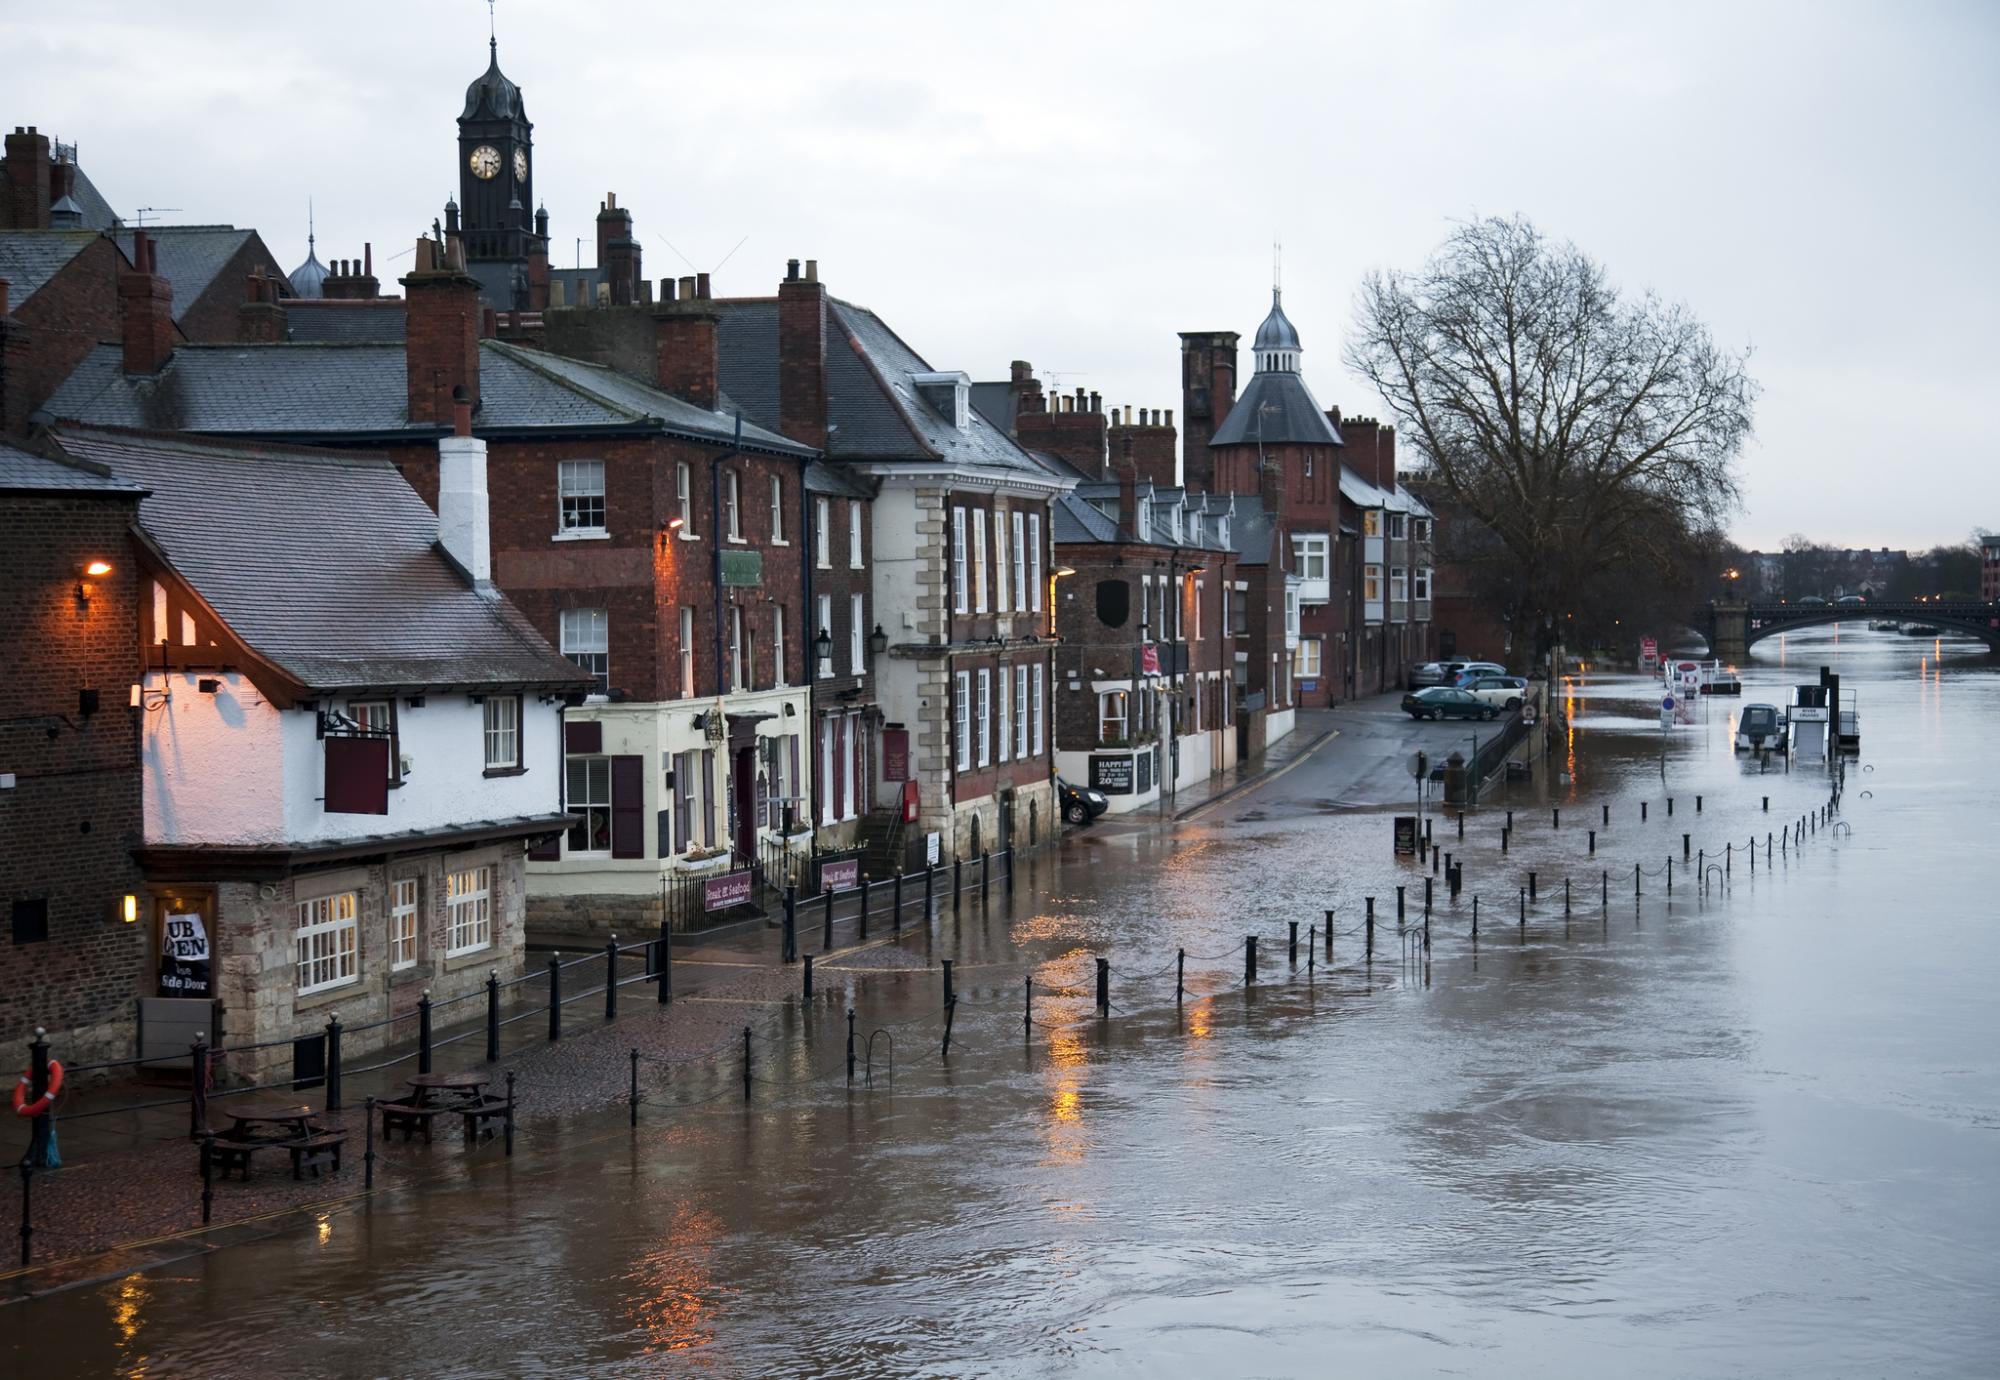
492,36
309,227
139,216
1277,265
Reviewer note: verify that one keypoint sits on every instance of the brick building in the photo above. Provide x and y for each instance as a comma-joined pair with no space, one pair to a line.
1989,569
69,757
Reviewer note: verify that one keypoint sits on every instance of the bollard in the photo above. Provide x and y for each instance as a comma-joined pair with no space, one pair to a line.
1312,950
826,936
807,994
1606,821
1701,864
944,1051
1180,974
1593,843
1461,824
1504,835
1728,856
665,961
1475,915
424,1031
930,874
1670,874
1753,854
1292,949
1604,889
333,1061
492,1015
368,1145
635,1087
1565,896
1635,879
1008,851
1670,807
1686,843
746,1063
957,884
896,910
197,1085
850,1044
1104,988
1427,936
1028,1003
1434,862
510,1114
1531,886
1457,880
791,942
1510,821
1249,959
1555,818
1428,896
1329,934
555,995
985,873
1369,952
1524,909
611,978
1399,907
1697,804
1427,833
1642,812
1767,804
947,981
861,926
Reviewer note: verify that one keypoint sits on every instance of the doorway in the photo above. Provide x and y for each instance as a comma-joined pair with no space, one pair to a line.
743,797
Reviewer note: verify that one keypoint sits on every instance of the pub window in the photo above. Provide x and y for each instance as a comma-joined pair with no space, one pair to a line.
326,935
589,795
469,907
1111,708
403,923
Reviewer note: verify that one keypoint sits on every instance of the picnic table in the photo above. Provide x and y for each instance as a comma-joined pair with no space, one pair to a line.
455,1087
253,1114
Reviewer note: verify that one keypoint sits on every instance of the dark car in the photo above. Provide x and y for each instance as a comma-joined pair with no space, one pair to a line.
1447,702
1080,804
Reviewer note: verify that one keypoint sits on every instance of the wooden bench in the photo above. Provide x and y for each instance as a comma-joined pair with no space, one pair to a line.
409,1117
225,1155
480,1116
317,1152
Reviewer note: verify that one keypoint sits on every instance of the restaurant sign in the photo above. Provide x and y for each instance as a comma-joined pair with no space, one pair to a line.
1112,775
1406,834
840,875
730,889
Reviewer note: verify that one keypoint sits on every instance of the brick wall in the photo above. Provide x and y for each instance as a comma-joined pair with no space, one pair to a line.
75,309
68,823
212,317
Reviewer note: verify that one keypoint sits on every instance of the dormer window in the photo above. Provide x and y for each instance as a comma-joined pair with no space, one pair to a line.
949,394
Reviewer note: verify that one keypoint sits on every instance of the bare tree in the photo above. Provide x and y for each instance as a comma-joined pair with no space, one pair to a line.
1590,433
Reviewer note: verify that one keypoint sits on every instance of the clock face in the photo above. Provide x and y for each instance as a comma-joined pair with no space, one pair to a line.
520,165
485,161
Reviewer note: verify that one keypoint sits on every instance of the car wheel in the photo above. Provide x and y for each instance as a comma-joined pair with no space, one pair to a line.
1077,814
1514,703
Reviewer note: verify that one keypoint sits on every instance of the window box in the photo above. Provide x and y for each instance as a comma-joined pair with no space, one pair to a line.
703,860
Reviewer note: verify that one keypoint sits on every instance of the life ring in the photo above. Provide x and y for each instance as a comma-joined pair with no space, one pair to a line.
23,1106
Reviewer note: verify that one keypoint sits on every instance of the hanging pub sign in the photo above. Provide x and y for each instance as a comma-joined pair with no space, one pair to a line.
1406,834
184,956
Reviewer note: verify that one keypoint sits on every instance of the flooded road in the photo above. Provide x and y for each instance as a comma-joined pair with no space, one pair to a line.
1748,1131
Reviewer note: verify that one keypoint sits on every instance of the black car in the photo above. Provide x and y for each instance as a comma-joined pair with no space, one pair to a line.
1080,804
1445,702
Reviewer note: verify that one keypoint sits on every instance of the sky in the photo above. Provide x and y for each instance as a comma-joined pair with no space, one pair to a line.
1074,186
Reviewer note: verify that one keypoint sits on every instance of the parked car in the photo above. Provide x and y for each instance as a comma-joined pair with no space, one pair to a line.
1812,599
1447,702
1505,691
1427,673
1476,670
1851,599
1080,804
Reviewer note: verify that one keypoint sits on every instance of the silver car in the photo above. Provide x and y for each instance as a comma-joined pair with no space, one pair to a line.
1505,691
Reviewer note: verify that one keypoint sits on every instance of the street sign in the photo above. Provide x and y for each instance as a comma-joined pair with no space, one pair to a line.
1667,702
1420,766
742,569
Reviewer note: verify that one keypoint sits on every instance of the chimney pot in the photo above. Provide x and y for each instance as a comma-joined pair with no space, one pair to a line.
1095,404
791,270
666,289
687,288
812,270
701,285
1170,417
368,258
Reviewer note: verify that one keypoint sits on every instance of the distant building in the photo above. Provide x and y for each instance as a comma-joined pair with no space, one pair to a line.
1989,569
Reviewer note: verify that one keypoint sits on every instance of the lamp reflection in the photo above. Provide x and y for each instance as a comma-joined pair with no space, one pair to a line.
673,1304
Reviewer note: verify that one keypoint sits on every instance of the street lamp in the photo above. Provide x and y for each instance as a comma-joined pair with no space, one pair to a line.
823,652
878,641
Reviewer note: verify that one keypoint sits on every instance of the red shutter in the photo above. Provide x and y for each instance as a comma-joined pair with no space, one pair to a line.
839,797
628,801
708,798
547,850
357,776
583,736
862,802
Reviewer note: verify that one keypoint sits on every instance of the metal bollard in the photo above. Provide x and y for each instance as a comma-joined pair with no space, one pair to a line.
1670,807
666,963
1635,879
826,935
635,1087
1461,824
791,943
896,910
944,1051
1604,889
1565,896
1312,950
1728,856
1510,821
1292,949
1009,852
611,978
555,995
1555,818
1686,844
1642,812
808,993
424,1031
1475,915
197,1084
1697,804
1593,842
1028,1004
1180,975
861,931
1249,959
1524,909
492,1015
1457,880
1606,821
957,884
1670,874
746,1063
333,1061
850,1044
1329,934
1434,862
1429,894
1399,907
946,963
207,1190
1767,804
1531,886
1104,988
368,1145
1369,951
1505,834
985,873
930,885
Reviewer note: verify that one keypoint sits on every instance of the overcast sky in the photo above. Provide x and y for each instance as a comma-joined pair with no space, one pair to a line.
1074,185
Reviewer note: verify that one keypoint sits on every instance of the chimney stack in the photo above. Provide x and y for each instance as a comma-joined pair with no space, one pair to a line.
464,529
441,337
802,357
146,311
260,320
1208,391
684,350
1128,490
618,254
26,203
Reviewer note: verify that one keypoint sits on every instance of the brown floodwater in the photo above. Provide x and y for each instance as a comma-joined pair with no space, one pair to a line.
1752,1130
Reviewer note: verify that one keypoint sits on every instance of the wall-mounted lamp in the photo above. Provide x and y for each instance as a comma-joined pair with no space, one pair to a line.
142,698
1063,570
128,909
90,570
878,641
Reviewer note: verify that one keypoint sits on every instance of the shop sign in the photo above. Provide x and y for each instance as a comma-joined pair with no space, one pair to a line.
837,876
184,956
1406,834
730,889
1112,775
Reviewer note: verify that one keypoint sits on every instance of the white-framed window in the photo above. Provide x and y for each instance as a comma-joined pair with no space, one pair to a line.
1021,712
586,641
959,586
1371,522
326,935
1291,612
1305,660
778,511
823,533
378,719
778,642
736,681
684,499
403,923
1145,606
1309,555
1180,608
1371,583
732,505
1006,734
853,534
589,795
502,722
687,652
1309,464
978,562
857,633
580,497
825,626
469,910
1000,600
1021,595
961,719
1035,562
1396,526
1038,709
1111,710
983,716
1420,582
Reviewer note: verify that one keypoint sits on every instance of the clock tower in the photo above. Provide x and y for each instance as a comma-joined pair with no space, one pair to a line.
496,169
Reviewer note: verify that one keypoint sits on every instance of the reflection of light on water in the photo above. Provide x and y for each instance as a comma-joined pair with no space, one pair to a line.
1065,1128
126,1311
325,1227
1201,1024
673,1304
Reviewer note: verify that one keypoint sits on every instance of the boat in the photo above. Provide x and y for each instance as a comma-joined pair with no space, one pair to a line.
1760,728
1884,625
1721,682
1919,630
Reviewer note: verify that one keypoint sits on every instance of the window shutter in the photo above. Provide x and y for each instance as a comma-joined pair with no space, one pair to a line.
628,800
583,736
839,726
683,764
357,776
707,798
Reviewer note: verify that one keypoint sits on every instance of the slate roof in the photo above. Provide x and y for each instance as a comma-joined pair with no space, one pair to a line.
350,391
1360,492
995,402
835,481
346,321
21,472
97,212
251,528
1293,415
189,256
1077,521
29,258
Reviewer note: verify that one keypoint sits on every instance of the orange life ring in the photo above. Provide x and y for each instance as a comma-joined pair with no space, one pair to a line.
23,1106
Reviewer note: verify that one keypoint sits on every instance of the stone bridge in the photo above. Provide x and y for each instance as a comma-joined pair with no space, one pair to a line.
1732,625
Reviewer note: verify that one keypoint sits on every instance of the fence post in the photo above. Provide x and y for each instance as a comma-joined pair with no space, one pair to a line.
1670,874
492,1015
368,1144
1603,889
333,1061
1475,915
950,1010
1635,879
946,964
198,1087
1329,934
957,883
424,1032
1524,910
1593,843
985,873
1009,851
1312,950
635,1087
861,931
666,964
611,978
1729,855
746,1064
1292,945
1180,975
809,978
1104,988
850,1044
791,922
1687,842
896,910
1565,896
1249,959
1532,893
1607,817
207,1189
930,874
1371,929
1028,1004
826,934
555,995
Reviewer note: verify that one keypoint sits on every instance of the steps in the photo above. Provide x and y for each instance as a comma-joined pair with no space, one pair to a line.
881,842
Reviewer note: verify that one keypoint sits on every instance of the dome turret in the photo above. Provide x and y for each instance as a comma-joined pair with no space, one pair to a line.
492,96
309,278
1277,344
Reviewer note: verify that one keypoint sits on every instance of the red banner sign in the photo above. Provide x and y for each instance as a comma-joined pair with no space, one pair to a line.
730,889
895,754
1149,661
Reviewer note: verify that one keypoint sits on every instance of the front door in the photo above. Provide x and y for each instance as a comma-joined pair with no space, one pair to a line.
185,934
743,799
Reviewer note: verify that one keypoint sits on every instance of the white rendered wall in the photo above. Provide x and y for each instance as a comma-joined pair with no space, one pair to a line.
214,764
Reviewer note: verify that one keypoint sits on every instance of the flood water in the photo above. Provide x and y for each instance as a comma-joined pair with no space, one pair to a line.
1747,1132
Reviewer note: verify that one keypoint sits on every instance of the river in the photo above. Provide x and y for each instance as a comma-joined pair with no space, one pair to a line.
1746,1131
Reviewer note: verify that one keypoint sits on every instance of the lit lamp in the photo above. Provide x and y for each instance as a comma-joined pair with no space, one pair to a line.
93,570
1058,573
128,909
